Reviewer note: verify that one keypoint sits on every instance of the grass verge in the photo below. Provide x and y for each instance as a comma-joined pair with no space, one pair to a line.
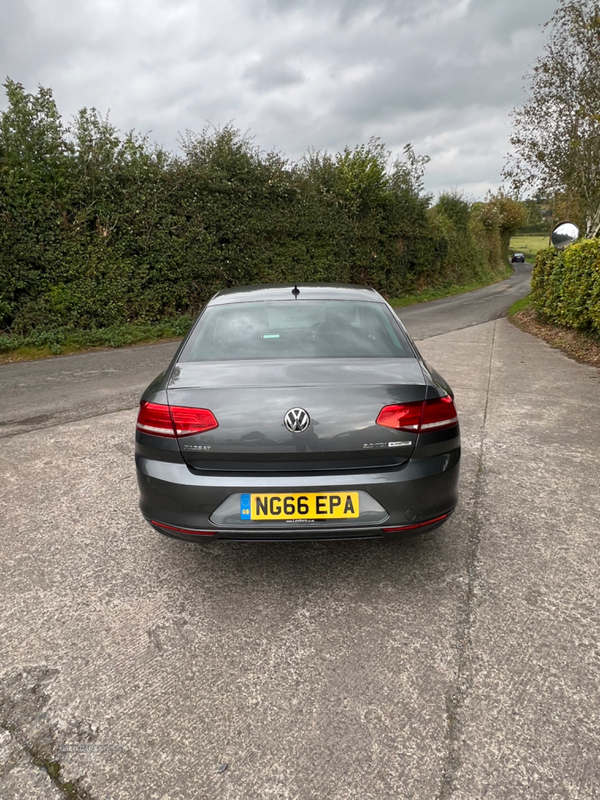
56,342
582,346
437,293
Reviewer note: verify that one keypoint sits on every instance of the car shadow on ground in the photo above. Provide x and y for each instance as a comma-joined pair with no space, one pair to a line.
418,561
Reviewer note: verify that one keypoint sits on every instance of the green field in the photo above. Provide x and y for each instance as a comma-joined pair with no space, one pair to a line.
529,244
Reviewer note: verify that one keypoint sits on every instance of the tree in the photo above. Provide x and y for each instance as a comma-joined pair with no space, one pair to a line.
503,214
557,131
454,206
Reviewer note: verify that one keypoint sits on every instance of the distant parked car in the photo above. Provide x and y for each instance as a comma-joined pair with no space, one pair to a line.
518,258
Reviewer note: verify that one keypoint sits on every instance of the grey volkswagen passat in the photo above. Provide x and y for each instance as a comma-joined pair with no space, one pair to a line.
293,413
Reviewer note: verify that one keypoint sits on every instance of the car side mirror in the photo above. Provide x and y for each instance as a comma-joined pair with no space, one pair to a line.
564,234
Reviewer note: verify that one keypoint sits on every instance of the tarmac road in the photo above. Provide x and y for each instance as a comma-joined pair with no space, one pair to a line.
460,664
39,394
425,320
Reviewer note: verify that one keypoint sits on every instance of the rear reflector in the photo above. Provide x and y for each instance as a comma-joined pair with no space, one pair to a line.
182,530
418,525
174,421
419,417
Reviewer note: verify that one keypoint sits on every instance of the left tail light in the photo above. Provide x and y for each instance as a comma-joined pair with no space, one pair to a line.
174,421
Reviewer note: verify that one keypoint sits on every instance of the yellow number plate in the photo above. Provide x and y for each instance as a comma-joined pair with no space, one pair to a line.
298,507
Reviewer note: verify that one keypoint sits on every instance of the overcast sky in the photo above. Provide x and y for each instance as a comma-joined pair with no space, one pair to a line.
442,74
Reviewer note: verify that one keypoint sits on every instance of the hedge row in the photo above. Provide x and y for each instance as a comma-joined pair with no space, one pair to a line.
98,229
566,285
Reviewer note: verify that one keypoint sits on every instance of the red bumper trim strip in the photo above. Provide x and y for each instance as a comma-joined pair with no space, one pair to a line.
182,530
412,527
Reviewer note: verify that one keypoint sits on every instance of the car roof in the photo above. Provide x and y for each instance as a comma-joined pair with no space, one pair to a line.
306,291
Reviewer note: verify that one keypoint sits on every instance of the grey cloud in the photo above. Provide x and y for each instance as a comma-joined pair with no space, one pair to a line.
344,11
272,74
504,19
442,74
419,88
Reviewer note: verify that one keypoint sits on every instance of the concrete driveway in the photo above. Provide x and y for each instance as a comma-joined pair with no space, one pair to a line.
464,663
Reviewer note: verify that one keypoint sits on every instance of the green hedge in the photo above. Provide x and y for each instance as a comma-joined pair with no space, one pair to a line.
566,285
99,229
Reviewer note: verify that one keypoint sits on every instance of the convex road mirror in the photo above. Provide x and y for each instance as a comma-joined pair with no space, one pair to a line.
564,234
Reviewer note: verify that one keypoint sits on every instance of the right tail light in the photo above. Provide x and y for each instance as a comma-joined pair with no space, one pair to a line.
420,417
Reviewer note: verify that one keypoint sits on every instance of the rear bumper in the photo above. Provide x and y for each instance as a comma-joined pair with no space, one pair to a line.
317,534
177,501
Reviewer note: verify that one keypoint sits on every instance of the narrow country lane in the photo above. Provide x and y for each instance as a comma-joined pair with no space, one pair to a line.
40,394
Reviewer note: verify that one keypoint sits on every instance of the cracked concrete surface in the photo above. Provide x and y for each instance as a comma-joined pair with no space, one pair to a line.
462,683
464,663
32,739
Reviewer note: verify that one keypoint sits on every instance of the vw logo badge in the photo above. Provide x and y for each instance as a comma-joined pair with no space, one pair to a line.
296,420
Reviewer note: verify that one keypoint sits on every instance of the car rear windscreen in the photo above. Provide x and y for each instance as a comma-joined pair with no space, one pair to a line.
296,329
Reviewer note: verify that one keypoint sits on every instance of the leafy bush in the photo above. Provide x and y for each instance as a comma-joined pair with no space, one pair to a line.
566,285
